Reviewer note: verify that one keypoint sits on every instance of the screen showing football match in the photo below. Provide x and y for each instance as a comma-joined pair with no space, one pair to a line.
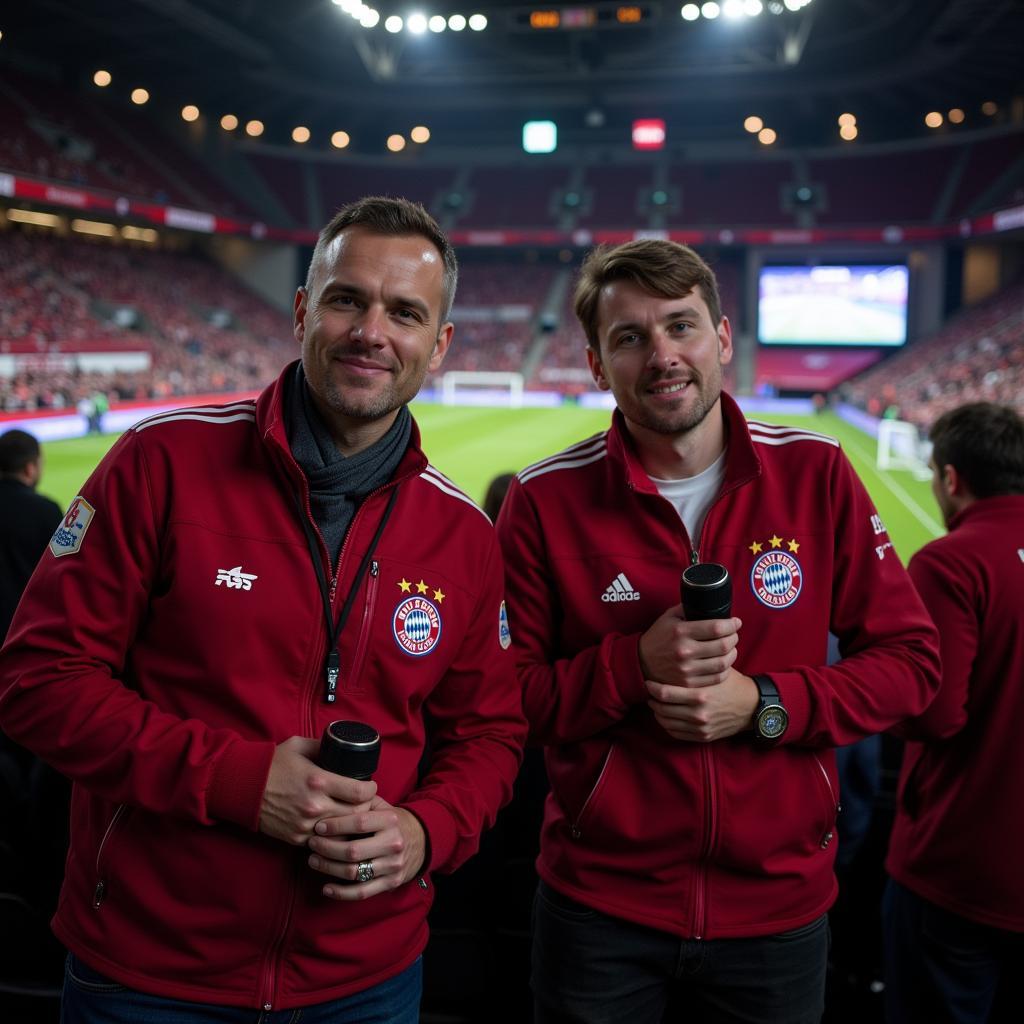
832,305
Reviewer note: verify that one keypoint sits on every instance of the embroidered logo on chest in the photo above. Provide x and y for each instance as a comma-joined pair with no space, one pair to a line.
776,577
417,626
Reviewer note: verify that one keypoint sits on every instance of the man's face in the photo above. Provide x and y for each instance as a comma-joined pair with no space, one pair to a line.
369,325
661,358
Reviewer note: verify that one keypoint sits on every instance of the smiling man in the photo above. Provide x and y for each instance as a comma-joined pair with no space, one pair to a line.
230,580
688,840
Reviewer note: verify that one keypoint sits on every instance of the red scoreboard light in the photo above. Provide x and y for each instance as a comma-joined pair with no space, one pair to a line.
649,133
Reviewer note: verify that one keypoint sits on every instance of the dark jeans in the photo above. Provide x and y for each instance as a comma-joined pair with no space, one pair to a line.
589,968
941,968
91,998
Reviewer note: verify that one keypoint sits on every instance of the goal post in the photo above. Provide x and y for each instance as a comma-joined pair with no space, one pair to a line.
900,447
482,387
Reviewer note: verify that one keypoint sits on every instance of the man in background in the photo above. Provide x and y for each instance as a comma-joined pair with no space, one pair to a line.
230,580
954,907
27,519
688,841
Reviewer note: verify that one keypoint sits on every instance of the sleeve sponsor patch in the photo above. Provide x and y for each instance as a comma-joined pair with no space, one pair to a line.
67,538
504,633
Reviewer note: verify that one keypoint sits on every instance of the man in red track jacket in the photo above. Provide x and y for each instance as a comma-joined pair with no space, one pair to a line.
231,579
954,909
689,837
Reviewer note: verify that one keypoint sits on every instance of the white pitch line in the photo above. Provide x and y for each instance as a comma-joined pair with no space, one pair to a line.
933,527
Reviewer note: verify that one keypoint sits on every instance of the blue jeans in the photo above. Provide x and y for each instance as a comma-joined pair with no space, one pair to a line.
590,968
91,998
941,968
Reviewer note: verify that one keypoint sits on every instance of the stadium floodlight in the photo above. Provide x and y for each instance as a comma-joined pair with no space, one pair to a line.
457,22
437,23
752,8
690,12
710,10
478,22
732,9
540,136
394,23
416,23
369,18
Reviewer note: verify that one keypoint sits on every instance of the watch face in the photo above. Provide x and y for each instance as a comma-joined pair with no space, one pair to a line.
772,722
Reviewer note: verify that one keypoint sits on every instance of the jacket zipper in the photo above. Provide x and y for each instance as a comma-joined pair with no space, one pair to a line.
268,991
100,892
711,826
829,831
575,829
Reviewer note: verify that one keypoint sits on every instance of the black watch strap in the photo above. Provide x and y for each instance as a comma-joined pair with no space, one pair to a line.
768,690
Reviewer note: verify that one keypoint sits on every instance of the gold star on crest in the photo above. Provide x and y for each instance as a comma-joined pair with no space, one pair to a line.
405,586
421,587
438,596
755,548
776,542
794,546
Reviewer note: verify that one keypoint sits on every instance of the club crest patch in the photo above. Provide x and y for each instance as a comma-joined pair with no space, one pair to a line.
776,579
417,626
67,539
504,633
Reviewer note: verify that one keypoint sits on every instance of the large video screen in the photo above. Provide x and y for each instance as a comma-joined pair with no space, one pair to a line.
833,305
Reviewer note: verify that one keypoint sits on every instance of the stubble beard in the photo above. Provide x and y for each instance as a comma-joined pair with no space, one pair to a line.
684,420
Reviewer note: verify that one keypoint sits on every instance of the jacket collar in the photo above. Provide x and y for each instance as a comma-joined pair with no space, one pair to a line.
742,463
981,508
270,423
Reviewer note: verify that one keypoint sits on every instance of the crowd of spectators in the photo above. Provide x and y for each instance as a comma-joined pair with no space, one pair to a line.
203,330
977,356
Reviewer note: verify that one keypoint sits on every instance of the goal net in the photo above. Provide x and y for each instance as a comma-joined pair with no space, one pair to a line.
491,387
900,447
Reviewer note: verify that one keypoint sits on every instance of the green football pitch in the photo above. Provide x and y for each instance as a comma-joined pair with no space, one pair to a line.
472,445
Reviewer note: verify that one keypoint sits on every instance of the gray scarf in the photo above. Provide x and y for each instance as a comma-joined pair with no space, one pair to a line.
338,483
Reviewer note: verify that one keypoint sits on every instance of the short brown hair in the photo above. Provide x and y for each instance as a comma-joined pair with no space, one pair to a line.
397,218
663,268
984,442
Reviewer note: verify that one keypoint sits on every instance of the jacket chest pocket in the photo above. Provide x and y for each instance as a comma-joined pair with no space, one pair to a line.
352,681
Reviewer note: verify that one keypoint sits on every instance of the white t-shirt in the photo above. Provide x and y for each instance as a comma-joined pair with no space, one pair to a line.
692,496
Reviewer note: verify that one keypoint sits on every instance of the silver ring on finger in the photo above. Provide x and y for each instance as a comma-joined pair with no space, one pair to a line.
364,871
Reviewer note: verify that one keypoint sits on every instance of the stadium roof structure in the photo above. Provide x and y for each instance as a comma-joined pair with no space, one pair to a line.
308,62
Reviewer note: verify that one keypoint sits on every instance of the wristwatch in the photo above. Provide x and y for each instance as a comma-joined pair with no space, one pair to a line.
771,718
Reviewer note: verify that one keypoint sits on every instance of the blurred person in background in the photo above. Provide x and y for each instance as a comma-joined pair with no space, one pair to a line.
188,637
953,911
27,518
688,842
